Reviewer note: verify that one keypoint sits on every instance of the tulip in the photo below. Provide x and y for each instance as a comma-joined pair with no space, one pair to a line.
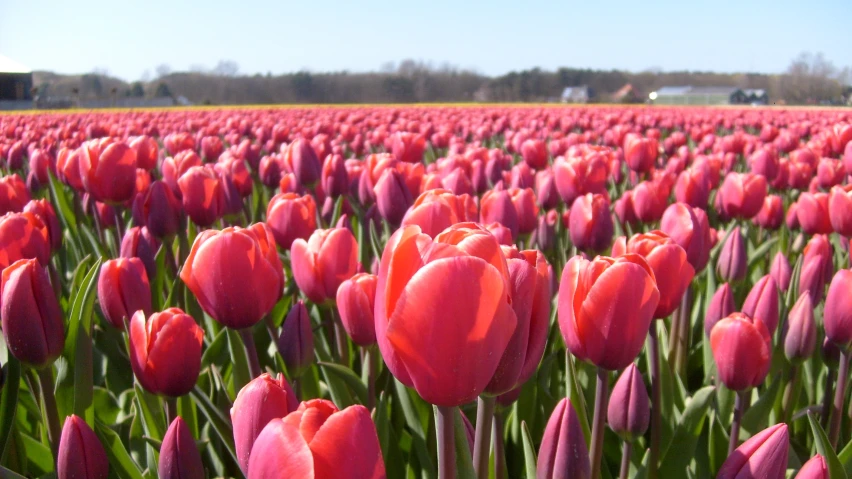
781,271
68,168
109,175
23,236
812,211
235,274
146,152
392,196
762,302
771,215
291,216
534,154
179,456
764,455
45,212
563,452
815,468
840,210
296,343
731,264
262,400
545,234
322,263
334,178
742,194
578,175
355,300
496,207
408,147
624,209
123,289
590,223
800,340
31,317
640,153
605,308
764,162
628,412
649,202
211,148
203,195
321,441
742,350
689,228
668,260
545,190
502,233
13,194
162,211
166,339
301,158
463,272
837,316
81,455
138,243
436,210
693,188
817,267
721,305
526,208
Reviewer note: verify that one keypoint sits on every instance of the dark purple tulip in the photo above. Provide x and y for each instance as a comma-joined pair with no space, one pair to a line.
721,306
81,455
731,264
179,457
392,196
762,302
781,271
563,452
800,341
139,243
628,413
296,342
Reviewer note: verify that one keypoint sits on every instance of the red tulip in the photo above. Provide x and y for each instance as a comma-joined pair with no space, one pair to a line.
80,455
138,243
162,211
409,147
175,167
764,162
762,302
301,158
45,212
123,289
321,442
780,271
817,267
693,188
563,452
262,400
203,195
624,210
764,455
211,148
291,216
109,174
649,201
812,211
496,207
235,274
605,308
534,154
160,343
526,207
356,298
742,194
436,210
13,194
179,456
742,350
23,236
545,234
68,168
815,468
689,228
578,175
502,233
334,178
30,314
392,196
640,153
838,310
590,223
463,272
840,210
629,410
147,152
322,263
771,215
721,306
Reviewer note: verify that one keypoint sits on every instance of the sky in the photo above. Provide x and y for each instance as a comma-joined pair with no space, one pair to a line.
130,39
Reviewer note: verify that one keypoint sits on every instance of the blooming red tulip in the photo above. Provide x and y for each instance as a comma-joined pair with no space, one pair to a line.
534,154
526,207
322,263
629,410
211,148
742,350
320,442
109,174
689,228
80,455
262,400
563,452
31,317
742,194
731,264
771,215
762,302
123,289
578,175
590,223
179,456
235,274
605,308
436,210
840,210
640,153
815,468
158,344
463,273
45,212
837,316
356,298
147,152
764,455
175,167
23,236
203,195
764,162
649,201
13,194
812,211
291,216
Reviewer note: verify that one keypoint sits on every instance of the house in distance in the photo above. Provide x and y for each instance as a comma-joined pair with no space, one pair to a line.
707,95
16,83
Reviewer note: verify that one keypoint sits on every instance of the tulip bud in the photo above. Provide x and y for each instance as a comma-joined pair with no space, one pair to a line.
590,223
23,236
322,263
31,317
302,160
817,268
742,350
563,452
781,272
812,211
693,188
815,468
731,264
45,212
80,455
721,306
179,457
438,209
162,211
762,302
496,207
408,147
203,195
771,215
392,196
628,413
263,399
624,209
166,339
840,210
13,194
534,154
837,316
296,342
123,289
545,190
138,243
291,216
523,199
355,299
335,179
690,229
742,194
800,340
640,153
763,455
545,234
649,202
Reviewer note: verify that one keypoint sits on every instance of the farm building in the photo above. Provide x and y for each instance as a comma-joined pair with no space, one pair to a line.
756,96
16,82
626,94
700,95
576,94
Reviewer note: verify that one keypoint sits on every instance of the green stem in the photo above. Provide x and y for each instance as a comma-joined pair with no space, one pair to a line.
372,354
826,398
482,437
499,447
51,413
656,399
839,396
446,442
601,395
171,409
789,399
739,408
682,334
251,352
626,452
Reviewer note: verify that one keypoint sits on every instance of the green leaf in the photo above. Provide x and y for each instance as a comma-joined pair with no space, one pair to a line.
823,447
464,463
414,423
215,351
677,457
845,458
120,461
530,459
153,419
241,372
761,251
757,415
8,474
218,421
349,377
38,454
9,400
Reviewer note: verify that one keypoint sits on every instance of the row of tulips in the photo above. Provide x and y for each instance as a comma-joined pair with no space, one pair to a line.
421,292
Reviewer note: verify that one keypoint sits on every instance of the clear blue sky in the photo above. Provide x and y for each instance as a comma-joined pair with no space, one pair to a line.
128,38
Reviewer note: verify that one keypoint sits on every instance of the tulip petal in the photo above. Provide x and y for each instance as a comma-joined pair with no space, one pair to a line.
342,434
280,452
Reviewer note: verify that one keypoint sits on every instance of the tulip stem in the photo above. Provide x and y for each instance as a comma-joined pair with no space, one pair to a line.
372,357
789,399
171,408
446,441
601,394
739,407
826,398
626,452
839,396
251,351
499,448
482,438
656,399
51,413
682,333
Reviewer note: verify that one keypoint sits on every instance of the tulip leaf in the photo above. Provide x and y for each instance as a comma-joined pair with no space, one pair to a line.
756,416
348,377
412,419
240,373
64,211
464,462
685,438
214,352
217,420
824,448
189,413
9,399
530,460
120,461
9,474
153,419
762,251
845,458
38,455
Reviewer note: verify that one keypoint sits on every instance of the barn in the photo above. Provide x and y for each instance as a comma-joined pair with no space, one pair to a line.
16,82
699,95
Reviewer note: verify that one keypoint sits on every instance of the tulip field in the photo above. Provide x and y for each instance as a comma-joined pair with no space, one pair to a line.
426,292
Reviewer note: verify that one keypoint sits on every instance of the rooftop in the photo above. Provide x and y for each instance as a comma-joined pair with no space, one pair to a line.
7,65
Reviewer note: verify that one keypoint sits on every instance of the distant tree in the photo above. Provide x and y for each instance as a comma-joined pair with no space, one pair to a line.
811,79
162,90
137,90
163,70
226,68
398,89
303,86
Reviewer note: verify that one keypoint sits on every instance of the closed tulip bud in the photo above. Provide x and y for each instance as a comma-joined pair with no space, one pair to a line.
139,243
235,274
211,148
321,442
545,234
731,263
693,188
764,455
302,160
742,351
721,306
837,316
322,263
436,210
147,152
291,216
123,289
529,280
496,207
68,168
771,215
640,153
624,209
590,223
203,195
270,171
534,154
158,344
649,202
840,210
81,455
392,196
800,340
812,211
606,307
742,194
31,317
526,208
563,452
689,228
764,162
464,271
817,268
296,342
762,302
545,190
830,172
109,175
23,236
162,211
289,184
815,468
458,182
672,270
628,413
13,194
179,456
45,212
781,271
355,300
260,401
335,179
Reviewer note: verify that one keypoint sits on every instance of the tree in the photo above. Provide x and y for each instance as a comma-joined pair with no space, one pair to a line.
137,90
811,79
303,86
226,68
162,90
163,70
